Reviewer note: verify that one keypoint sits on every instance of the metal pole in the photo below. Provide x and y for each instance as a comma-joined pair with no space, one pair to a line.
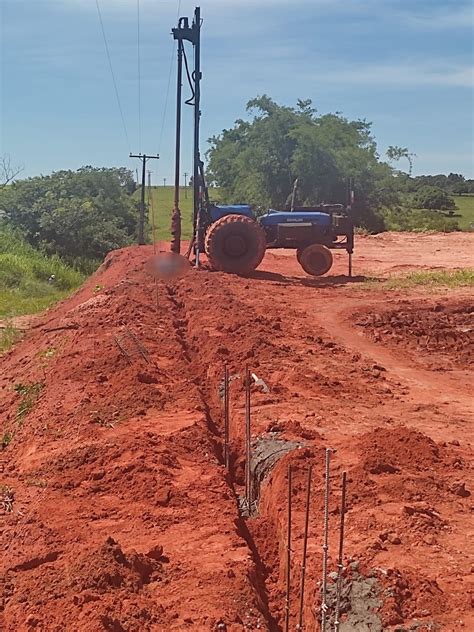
341,552
288,555
305,548
226,417
293,195
248,451
197,115
325,544
176,215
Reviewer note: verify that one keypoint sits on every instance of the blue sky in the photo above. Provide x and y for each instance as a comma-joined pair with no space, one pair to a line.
405,65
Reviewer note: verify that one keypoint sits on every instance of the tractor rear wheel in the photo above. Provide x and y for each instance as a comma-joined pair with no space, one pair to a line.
315,259
235,243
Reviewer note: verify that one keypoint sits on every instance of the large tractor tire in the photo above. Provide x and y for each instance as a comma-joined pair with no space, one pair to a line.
235,243
315,259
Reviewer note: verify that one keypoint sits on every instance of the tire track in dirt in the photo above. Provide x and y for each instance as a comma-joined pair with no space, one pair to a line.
425,387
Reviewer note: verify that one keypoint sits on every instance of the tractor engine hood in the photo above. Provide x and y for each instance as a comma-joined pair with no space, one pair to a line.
272,218
218,211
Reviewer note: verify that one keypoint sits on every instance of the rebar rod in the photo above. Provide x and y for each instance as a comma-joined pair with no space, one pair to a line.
288,554
141,348
305,549
248,452
324,607
341,552
226,417
119,344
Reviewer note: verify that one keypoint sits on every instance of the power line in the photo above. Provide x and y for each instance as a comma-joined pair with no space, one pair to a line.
112,72
139,80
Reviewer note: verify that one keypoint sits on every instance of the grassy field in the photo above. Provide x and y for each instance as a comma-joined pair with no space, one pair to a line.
24,285
464,277
161,206
465,204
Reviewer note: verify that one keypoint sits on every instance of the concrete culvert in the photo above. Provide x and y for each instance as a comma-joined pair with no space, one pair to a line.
235,243
266,452
315,259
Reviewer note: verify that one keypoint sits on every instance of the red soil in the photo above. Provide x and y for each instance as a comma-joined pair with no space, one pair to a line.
438,334
122,515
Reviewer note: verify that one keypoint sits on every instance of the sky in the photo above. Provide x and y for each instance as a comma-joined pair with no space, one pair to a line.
404,65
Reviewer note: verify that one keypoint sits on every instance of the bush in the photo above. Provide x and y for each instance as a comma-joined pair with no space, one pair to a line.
418,221
433,198
23,267
82,214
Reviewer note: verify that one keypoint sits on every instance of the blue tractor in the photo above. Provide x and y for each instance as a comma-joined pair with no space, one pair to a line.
234,238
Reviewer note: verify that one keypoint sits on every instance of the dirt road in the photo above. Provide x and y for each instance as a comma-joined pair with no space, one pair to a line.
116,511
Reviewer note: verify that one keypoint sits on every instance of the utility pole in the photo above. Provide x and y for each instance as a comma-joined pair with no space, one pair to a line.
141,217
149,178
164,181
185,185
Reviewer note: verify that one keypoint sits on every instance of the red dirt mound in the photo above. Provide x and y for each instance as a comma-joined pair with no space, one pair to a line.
116,512
442,333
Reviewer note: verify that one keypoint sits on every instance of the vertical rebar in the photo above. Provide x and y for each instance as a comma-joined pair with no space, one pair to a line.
226,417
248,451
341,553
324,606
288,554
305,548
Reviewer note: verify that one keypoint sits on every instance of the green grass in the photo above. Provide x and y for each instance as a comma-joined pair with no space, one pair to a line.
24,274
464,277
161,207
465,204
8,336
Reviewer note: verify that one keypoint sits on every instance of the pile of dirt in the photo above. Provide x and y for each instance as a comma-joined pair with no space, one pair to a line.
116,512
441,333
393,450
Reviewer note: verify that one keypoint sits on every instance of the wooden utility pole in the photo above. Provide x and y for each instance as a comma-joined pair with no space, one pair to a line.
141,217
185,185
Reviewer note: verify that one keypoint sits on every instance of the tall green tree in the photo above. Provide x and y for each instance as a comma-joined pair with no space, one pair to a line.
395,153
257,161
83,213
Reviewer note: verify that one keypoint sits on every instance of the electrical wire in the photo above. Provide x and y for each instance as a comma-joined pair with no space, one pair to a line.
139,81
112,73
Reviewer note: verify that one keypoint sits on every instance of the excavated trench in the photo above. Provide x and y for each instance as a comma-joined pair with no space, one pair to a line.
265,530
266,452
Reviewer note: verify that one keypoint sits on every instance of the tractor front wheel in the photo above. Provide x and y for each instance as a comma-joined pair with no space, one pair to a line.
235,243
315,259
